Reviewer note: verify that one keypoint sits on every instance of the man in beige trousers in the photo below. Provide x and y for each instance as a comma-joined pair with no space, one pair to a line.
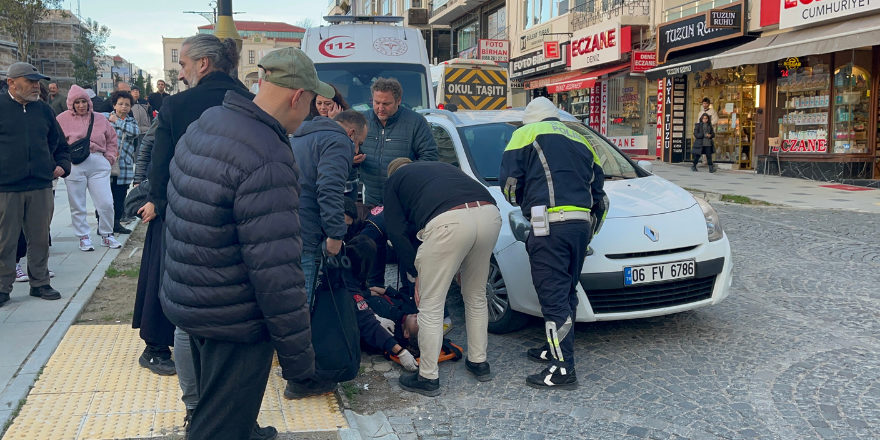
458,225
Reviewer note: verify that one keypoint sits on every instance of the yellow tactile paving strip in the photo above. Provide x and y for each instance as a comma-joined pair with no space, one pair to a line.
93,389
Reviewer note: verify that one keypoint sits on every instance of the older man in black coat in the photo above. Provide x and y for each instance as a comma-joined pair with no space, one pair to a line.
233,279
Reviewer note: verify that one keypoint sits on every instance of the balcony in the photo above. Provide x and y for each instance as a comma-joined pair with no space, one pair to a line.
692,7
444,12
631,13
338,7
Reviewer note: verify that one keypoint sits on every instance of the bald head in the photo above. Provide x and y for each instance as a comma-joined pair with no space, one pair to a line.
122,86
289,106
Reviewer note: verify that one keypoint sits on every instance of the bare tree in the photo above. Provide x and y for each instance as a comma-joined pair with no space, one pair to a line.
305,23
19,19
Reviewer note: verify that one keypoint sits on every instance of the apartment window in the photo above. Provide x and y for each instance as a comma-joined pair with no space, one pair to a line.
174,55
542,11
250,57
385,9
393,7
497,26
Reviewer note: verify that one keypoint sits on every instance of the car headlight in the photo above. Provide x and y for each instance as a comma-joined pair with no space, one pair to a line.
520,227
713,221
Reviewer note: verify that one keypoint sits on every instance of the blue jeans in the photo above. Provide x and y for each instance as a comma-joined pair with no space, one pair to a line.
310,269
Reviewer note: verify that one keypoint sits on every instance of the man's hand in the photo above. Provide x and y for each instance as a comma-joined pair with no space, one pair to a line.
147,212
333,246
387,324
408,361
358,158
58,172
377,291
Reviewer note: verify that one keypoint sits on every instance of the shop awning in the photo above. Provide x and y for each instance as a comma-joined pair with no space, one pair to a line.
690,63
850,34
584,81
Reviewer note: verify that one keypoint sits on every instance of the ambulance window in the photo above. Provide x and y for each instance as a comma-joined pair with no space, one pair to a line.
445,145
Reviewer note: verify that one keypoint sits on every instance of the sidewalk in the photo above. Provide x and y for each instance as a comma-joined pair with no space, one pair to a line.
787,191
32,328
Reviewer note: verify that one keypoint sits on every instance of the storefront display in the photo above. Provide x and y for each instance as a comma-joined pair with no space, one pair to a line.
732,93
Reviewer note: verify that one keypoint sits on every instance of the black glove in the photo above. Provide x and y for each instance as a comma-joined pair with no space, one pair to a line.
597,214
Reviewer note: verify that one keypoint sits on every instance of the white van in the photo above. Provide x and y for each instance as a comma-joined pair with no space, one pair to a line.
351,56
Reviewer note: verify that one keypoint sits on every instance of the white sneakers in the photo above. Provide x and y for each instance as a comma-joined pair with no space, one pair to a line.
85,244
110,242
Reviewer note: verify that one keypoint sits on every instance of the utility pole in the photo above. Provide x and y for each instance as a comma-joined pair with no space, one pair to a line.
225,27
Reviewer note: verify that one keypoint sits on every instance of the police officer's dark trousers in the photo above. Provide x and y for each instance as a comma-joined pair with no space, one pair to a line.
556,261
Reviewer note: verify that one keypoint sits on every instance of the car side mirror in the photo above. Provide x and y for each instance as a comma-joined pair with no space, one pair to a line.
646,165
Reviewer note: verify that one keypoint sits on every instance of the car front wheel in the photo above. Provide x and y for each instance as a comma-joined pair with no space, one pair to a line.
502,319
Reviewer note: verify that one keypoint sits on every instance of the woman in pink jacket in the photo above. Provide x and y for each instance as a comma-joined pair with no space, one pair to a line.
92,174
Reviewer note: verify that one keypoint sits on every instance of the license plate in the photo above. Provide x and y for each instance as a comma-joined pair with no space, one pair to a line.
659,272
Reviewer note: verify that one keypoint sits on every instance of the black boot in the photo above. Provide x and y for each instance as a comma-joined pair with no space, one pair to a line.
187,421
540,355
45,292
119,229
415,383
554,378
163,366
264,433
694,167
479,370
3,298
711,168
307,388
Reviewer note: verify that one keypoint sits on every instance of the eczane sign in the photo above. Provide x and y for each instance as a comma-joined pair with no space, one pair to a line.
597,44
798,13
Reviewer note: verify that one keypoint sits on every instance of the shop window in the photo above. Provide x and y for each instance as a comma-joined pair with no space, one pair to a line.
626,107
803,102
497,25
731,93
852,95
467,36
445,146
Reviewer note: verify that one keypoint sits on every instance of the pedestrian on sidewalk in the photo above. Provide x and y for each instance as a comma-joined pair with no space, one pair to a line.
233,279
394,131
157,98
93,174
704,142
34,152
552,171
458,225
205,63
57,100
140,110
323,149
127,132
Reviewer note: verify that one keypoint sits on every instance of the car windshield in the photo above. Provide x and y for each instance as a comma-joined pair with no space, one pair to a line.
354,80
486,143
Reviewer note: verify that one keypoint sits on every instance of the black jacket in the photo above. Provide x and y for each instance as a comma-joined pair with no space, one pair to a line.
31,145
100,105
370,328
405,134
703,144
232,262
156,101
394,305
177,113
323,153
417,193
575,170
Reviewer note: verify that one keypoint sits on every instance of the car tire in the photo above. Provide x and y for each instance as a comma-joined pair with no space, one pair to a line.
502,318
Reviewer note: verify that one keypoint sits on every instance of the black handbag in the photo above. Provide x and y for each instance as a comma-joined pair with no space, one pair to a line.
335,334
80,150
136,199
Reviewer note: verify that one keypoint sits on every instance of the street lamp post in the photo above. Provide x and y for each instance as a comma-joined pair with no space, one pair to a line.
225,27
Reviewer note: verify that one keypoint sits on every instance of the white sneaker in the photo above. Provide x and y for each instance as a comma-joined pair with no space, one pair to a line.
110,242
85,244
51,274
20,275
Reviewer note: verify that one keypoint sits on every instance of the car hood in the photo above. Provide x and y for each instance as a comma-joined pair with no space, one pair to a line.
646,196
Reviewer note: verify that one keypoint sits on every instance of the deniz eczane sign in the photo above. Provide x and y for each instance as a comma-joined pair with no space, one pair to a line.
597,44
796,13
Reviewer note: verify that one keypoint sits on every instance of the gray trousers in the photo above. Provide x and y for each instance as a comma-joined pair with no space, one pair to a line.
186,369
31,212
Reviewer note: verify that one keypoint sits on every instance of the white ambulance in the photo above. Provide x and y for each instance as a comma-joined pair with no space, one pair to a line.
351,56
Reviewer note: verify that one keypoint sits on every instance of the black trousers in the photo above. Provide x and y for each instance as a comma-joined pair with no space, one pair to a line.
119,192
697,159
232,379
556,261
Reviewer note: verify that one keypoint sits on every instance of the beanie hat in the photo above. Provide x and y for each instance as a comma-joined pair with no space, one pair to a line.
540,109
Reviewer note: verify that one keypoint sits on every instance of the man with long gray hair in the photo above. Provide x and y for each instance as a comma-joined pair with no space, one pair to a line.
205,63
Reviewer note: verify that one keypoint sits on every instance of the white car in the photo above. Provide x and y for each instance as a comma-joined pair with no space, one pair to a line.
660,250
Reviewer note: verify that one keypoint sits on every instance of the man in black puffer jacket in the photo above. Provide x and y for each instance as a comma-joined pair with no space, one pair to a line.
233,279
394,131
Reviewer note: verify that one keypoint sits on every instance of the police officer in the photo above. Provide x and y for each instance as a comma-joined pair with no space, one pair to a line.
554,175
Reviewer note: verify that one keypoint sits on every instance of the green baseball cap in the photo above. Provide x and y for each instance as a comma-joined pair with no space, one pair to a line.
291,68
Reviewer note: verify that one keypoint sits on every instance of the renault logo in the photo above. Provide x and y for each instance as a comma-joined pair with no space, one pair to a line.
652,234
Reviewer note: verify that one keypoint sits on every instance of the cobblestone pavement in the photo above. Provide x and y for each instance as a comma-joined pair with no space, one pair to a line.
793,353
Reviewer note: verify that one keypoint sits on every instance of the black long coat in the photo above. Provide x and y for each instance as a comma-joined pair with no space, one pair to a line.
703,144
